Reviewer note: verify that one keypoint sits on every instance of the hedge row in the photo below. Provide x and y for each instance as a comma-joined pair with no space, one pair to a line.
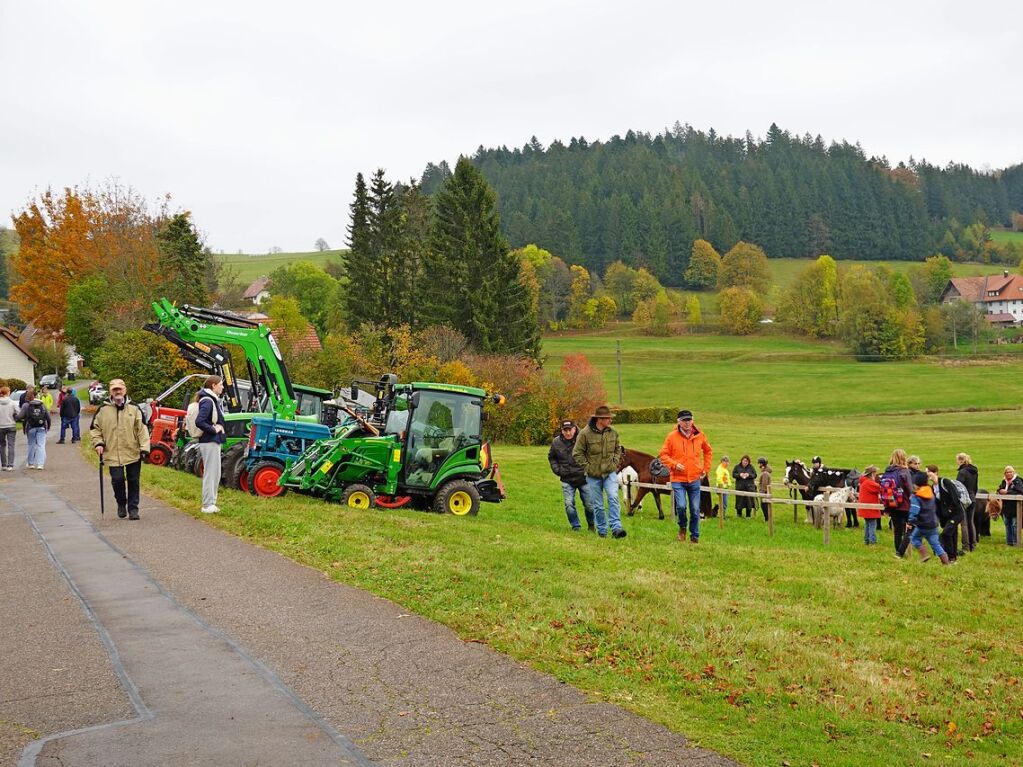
645,414
13,383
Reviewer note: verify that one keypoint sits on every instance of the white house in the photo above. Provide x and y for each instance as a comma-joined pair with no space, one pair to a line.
257,292
15,360
1000,297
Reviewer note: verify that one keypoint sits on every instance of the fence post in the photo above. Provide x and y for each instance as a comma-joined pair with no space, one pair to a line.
1019,519
721,511
827,523
770,519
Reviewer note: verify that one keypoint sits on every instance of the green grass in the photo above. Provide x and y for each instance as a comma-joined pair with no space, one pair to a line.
250,267
769,650
1004,236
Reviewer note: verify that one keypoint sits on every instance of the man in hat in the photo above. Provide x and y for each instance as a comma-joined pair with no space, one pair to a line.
687,454
121,439
571,474
599,451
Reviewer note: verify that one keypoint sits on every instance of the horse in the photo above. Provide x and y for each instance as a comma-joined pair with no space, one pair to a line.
797,479
833,501
639,462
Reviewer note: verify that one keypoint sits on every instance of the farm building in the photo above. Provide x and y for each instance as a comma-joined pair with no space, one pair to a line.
257,292
999,297
15,360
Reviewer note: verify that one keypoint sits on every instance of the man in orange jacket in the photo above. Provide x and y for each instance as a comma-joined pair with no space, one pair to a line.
687,454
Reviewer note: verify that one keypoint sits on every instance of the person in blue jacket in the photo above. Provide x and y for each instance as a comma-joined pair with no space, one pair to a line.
923,516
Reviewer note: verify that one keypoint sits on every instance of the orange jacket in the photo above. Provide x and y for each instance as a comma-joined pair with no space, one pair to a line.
693,452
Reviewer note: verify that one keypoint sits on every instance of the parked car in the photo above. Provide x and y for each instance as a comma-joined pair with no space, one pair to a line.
97,394
51,381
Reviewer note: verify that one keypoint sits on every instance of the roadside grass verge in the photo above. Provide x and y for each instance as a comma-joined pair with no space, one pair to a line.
769,650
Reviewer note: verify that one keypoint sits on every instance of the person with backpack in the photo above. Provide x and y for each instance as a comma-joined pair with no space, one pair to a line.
923,516
121,439
967,475
896,488
1010,485
70,410
209,422
8,428
951,509
36,418
870,492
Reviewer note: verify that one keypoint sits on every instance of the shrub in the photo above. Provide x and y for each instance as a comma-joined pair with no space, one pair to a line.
645,415
14,384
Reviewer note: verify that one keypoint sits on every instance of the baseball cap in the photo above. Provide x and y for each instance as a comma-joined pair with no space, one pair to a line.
685,415
567,424
117,383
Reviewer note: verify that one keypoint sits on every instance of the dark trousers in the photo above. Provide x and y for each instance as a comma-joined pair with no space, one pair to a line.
851,518
950,538
899,526
126,475
766,508
71,423
969,530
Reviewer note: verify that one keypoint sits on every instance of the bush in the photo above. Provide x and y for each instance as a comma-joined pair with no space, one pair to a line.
147,363
14,384
645,415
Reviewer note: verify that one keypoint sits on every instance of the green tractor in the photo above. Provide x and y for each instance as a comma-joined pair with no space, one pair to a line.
420,446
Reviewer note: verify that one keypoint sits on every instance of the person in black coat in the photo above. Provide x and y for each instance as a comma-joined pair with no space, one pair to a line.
745,477
967,474
950,510
70,412
571,474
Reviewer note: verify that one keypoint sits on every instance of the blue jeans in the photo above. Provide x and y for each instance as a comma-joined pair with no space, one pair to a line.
933,536
870,530
599,487
681,492
724,503
37,446
1011,533
568,493
71,423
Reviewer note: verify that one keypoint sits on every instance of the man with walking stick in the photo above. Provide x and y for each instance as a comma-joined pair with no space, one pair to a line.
121,439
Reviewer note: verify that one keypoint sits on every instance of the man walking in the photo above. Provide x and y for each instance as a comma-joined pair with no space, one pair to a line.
599,451
70,410
571,474
687,454
121,439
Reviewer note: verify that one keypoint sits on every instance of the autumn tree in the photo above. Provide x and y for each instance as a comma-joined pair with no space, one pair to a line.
704,266
810,304
745,266
579,293
694,314
741,310
148,363
930,279
314,290
619,281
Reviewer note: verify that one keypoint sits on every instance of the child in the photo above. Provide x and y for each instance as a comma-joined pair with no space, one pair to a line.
923,515
870,492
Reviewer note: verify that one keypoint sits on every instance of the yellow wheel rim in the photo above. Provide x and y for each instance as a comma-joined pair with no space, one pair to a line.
459,502
358,500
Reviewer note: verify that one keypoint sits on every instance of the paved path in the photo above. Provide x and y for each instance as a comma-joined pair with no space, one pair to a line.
166,641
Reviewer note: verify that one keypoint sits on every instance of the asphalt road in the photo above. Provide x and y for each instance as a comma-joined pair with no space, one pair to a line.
166,641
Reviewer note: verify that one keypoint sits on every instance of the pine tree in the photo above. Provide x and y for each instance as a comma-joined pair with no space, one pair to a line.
185,264
471,278
361,299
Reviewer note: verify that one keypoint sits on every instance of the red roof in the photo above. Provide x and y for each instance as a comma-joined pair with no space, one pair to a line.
988,289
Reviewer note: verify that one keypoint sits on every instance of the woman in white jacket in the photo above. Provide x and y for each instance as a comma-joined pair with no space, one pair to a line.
8,428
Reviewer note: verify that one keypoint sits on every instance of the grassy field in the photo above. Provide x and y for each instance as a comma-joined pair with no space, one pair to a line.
1001,236
770,650
249,267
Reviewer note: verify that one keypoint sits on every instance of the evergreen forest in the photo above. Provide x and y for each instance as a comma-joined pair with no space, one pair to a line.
644,199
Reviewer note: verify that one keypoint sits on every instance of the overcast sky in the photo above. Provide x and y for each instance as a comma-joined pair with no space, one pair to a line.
256,116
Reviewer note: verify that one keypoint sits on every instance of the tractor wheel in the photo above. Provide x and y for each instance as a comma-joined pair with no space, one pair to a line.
159,455
231,462
197,466
457,497
358,497
243,480
263,479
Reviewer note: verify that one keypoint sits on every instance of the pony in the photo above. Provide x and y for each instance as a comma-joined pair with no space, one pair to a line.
834,502
797,479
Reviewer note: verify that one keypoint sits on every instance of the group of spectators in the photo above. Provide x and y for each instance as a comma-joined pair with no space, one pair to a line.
922,505
32,411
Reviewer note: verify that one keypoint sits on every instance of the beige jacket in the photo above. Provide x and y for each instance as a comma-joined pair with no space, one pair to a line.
121,431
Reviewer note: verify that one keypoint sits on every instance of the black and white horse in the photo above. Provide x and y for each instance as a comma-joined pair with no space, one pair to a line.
797,479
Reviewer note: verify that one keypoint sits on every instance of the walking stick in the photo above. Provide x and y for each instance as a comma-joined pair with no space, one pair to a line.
101,485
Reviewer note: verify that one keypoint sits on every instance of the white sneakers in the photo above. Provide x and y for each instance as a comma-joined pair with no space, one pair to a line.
8,468
210,509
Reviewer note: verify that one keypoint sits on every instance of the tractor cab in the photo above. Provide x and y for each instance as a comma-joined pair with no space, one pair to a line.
443,427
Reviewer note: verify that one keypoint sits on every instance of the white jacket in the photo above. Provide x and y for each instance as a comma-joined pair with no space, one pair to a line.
8,409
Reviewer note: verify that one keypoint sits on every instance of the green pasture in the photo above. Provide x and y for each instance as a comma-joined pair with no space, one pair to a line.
1005,236
771,650
777,375
250,267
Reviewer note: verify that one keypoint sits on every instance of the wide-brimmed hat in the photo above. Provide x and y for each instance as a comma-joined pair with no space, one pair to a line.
603,412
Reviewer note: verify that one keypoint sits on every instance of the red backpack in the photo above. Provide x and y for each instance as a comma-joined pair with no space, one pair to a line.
892,494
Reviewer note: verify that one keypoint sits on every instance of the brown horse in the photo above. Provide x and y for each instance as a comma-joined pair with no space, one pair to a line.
640,463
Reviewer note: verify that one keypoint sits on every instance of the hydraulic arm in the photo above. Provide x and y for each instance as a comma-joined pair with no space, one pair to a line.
202,334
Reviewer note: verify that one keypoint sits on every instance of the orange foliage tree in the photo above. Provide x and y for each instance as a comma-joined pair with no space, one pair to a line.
66,237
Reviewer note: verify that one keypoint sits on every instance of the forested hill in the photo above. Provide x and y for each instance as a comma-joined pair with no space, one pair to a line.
644,199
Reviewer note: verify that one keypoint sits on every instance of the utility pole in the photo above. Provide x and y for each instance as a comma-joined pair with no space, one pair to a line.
618,354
